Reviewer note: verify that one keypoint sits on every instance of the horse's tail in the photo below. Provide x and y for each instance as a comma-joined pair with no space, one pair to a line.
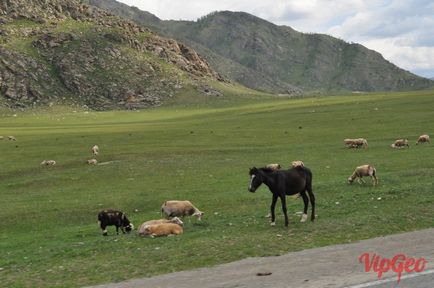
162,209
309,190
307,173
374,175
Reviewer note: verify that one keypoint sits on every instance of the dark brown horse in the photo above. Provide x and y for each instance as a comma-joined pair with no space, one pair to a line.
285,182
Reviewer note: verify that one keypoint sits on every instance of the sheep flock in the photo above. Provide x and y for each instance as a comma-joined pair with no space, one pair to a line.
175,210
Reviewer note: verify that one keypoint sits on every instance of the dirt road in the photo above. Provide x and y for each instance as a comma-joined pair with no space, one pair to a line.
332,266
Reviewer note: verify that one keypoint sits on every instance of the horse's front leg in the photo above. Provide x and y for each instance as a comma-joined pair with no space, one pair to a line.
283,200
273,205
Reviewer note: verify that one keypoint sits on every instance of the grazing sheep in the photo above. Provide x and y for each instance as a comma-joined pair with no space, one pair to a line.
356,143
12,138
297,163
274,166
92,161
399,143
177,208
423,139
162,229
393,146
117,218
141,229
48,162
348,142
364,170
2,137
95,150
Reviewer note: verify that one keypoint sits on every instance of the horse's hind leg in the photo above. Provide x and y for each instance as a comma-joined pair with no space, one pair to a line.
374,180
273,206
312,201
283,200
306,205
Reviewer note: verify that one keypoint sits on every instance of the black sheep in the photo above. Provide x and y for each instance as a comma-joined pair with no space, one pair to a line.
117,218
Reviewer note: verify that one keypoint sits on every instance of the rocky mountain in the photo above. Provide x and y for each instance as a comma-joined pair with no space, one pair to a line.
265,56
64,50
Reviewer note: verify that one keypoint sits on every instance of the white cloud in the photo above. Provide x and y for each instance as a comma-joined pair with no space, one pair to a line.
401,30
410,58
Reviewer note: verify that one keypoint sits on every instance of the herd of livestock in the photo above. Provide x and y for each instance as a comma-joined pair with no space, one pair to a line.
369,170
172,210
173,225
170,225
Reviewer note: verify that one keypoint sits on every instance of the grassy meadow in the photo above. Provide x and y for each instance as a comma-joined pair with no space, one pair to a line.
202,152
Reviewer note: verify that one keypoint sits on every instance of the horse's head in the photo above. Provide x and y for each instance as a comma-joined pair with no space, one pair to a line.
256,179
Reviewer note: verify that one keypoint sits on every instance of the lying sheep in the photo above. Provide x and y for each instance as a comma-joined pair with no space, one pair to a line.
92,161
364,170
141,230
177,208
400,143
162,229
423,139
95,150
297,163
48,162
12,138
356,143
274,166
112,217
174,220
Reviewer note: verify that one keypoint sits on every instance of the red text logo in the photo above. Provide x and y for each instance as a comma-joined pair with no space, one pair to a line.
398,264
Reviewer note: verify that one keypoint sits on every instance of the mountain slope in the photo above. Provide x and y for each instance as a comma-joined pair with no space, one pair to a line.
265,56
57,50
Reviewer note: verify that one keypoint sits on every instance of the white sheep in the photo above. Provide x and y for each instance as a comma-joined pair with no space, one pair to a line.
162,229
423,139
177,208
399,143
92,161
274,166
48,163
95,150
12,138
142,228
356,143
297,163
364,170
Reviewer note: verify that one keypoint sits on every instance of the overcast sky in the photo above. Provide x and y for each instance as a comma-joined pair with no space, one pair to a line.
401,30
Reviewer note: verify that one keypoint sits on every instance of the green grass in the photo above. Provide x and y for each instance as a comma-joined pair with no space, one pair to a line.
202,152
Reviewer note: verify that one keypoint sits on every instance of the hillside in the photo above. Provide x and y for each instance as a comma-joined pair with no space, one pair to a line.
65,51
265,56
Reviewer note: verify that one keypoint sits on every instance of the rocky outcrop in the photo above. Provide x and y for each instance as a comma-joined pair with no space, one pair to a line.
24,81
64,50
